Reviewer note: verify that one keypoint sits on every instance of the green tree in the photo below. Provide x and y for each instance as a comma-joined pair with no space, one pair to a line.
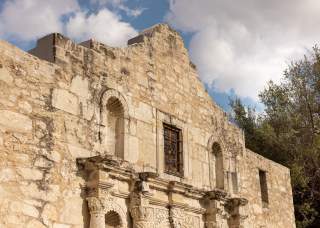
288,132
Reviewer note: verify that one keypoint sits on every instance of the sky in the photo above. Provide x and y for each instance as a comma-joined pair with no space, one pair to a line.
238,46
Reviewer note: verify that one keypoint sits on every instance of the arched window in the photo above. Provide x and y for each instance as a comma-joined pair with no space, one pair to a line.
218,163
115,127
112,220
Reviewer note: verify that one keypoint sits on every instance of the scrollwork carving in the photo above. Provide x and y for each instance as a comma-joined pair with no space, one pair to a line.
179,219
96,204
142,213
161,218
143,217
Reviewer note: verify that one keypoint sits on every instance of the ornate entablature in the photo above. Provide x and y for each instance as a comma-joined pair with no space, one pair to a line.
150,201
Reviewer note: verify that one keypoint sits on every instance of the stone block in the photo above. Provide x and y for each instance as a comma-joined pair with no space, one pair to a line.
30,173
87,110
35,224
15,121
144,112
5,76
49,213
65,101
133,154
59,225
24,209
51,194
80,87
25,107
7,174
71,210
78,152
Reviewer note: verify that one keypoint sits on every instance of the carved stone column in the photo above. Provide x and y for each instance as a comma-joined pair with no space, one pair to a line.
142,216
98,187
215,214
141,212
238,212
97,215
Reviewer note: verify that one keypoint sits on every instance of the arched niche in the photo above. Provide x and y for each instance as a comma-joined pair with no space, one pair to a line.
113,122
217,155
113,220
216,152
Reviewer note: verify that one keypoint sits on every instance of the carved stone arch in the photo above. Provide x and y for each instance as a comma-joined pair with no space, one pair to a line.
115,94
112,206
99,207
215,139
113,124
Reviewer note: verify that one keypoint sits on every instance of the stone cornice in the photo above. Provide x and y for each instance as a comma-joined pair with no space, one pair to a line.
123,171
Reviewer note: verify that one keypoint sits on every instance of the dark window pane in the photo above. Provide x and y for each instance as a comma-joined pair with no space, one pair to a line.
264,188
173,150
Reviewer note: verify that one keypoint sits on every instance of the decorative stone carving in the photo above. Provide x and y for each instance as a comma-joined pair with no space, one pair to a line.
161,218
179,219
113,93
215,212
237,212
142,214
98,207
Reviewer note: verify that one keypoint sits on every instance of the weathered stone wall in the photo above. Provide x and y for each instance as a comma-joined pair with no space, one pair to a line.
53,113
38,182
279,212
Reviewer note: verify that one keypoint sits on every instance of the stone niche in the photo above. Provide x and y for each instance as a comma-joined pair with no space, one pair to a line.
113,119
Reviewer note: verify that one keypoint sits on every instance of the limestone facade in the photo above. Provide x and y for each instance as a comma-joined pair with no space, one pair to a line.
96,136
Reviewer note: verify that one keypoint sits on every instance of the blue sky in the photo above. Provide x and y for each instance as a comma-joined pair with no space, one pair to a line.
237,45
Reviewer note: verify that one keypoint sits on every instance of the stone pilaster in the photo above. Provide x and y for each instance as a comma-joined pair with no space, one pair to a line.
141,212
215,212
142,216
237,212
98,188
97,215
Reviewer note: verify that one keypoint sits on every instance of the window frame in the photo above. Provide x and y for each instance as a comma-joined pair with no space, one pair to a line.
179,156
264,191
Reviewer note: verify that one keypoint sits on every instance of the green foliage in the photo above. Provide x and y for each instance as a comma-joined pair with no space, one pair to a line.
288,132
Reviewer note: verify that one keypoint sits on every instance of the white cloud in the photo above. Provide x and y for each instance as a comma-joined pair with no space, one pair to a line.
119,5
243,44
26,20
105,26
